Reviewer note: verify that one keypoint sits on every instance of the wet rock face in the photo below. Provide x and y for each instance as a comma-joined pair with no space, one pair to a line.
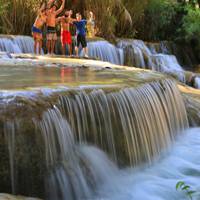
22,159
5,185
193,110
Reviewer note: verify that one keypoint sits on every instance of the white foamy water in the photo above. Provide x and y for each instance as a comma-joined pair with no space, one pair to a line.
105,51
157,182
17,44
197,82
138,54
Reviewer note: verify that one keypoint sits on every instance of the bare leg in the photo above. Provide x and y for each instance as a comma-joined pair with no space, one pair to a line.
48,46
76,49
85,50
53,42
63,49
35,46
70,49
40,46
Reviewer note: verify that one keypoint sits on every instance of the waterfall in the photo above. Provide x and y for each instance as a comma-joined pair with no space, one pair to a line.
60,145
159,181
105,51
132,125
17,44
66,177
131,115
138,54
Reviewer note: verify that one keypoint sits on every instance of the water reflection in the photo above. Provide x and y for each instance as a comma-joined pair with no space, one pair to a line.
24,77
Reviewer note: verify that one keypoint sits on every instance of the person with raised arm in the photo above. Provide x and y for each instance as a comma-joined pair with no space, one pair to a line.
37,28
52,13
66,38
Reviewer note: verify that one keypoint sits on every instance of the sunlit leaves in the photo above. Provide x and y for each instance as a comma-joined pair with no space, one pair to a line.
185,188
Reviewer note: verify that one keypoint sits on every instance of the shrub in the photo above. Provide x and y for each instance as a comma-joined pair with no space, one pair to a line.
17,16
159,20
189,31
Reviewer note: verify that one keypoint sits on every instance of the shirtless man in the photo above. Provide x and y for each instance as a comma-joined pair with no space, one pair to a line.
66,38
37,28
51,25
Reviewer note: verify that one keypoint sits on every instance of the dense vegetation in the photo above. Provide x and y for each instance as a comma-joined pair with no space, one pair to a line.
151,20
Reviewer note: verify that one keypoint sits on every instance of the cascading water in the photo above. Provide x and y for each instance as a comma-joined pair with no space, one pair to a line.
17,44
129,52
106,51
102,119
65,178
197,82
159,181
76,143
133,125
138,54
184,53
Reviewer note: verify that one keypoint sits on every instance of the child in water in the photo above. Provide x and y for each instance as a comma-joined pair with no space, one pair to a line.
37,28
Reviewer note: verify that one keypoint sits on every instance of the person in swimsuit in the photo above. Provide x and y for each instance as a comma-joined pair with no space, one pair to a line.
37,29
66,38
51,25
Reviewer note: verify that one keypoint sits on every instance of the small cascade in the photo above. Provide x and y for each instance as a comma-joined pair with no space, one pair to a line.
65,178
167,64
159,48
138,54
25,43
60,146
184,53
158,182
8,45
102,119
17,44
105,51
9,129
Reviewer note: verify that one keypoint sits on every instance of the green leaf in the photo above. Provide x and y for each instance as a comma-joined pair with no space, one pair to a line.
179,185
191,192
186,187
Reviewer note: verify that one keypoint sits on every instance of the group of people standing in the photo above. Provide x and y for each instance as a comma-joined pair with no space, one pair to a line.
48,15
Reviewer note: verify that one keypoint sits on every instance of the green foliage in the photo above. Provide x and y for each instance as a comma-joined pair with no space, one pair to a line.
145,19
105,19
3,6
135,9
17,16
189,30
159,20
115,17
191,26
186,189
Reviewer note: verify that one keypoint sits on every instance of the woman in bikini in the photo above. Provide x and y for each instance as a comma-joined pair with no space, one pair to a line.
37,28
